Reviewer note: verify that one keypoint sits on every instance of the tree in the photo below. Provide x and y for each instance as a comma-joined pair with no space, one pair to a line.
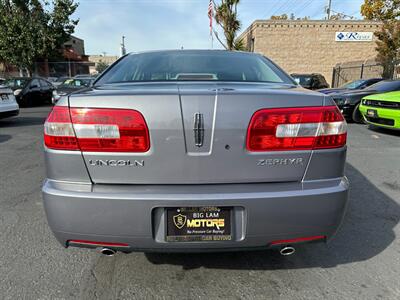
388,43
101,66
388,46
292,17
33,29
282,17
226,17
381,10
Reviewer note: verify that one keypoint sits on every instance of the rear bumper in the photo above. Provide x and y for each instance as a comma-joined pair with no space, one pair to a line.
135,215
9,110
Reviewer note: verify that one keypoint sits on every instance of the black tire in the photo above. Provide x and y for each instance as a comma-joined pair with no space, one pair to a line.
357,117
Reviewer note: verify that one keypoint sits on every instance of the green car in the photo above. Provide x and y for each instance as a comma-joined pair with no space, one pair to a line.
382,109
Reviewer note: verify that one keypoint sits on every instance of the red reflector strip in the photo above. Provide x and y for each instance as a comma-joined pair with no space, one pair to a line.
92,243
298,240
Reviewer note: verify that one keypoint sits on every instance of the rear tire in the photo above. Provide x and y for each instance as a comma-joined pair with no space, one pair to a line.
357,117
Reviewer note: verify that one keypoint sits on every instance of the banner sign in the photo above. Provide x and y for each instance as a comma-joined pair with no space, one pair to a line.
354,36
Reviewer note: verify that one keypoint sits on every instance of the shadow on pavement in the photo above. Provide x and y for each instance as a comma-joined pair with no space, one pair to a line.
384,130
366,231
4,138
20,121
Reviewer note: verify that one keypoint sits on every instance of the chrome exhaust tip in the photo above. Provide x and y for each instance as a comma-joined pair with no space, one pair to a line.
107,251
286,251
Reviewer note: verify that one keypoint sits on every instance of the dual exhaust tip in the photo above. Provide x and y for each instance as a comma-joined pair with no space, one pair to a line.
284,251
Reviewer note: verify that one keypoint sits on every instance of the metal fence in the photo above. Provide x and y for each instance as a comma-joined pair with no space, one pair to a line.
61,69
343,74
348,72
51,69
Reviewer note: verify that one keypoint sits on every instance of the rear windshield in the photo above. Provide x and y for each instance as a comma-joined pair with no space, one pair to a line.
302,79
16,83
77,82
353,84
199,66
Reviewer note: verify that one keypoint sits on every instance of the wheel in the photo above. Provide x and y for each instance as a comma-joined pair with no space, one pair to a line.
357,117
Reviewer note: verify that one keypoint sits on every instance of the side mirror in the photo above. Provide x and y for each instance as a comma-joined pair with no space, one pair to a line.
33,86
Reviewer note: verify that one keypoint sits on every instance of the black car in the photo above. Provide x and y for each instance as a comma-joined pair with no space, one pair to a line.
30,91
358,84
348,102
313,81
71,85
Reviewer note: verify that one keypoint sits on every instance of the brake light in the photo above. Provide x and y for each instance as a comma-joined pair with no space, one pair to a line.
58,131
299,240
97,244
304,128
96,130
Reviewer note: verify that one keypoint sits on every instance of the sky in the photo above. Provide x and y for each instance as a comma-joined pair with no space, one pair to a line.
173,24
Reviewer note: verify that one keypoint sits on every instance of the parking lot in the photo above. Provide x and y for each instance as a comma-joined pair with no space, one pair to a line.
363,261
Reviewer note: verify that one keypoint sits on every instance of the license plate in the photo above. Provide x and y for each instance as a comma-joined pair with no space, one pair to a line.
199,224
4,97
372,113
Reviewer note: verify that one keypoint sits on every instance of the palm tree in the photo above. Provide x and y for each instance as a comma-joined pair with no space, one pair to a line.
226,17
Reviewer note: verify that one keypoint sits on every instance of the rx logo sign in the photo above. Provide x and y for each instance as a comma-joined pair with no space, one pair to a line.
340,36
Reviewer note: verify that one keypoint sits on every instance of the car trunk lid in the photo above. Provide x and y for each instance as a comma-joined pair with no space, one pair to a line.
197,133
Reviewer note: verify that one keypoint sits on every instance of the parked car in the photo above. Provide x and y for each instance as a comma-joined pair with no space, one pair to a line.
82,76
31,91
352,85
312,81
51,79
8,105
382,110
60,80
69,86
349,102
2,80
194,150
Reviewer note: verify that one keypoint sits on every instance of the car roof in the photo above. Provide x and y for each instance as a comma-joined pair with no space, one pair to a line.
197,51
306,74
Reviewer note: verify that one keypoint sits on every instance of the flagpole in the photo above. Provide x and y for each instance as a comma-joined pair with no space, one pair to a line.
211,15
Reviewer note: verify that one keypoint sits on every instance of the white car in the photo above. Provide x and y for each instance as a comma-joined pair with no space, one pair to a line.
8,105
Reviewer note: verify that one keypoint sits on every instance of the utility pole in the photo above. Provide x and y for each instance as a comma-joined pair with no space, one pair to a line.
123,49
328,10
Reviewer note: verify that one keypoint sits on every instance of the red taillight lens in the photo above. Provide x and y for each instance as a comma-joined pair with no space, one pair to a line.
58,131
97,130
304,128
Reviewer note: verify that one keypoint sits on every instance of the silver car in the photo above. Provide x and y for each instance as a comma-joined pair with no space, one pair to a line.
8,105
194,150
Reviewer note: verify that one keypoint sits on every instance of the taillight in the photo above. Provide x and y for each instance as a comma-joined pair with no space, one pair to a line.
301,128
58,131
96,130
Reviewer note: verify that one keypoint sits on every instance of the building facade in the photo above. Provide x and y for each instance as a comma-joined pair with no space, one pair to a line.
312,46
95,59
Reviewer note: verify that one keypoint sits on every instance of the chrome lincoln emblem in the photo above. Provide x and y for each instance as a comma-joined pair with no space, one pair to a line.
198,129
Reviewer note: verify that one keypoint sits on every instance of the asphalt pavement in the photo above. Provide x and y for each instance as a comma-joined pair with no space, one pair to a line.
362,262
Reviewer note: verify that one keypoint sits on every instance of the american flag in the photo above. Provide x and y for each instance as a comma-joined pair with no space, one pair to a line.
211,14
